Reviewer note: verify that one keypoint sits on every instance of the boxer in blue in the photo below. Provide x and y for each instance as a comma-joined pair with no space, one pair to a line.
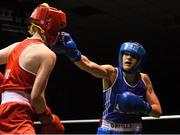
128,93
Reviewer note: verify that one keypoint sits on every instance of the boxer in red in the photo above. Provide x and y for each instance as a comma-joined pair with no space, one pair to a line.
28,66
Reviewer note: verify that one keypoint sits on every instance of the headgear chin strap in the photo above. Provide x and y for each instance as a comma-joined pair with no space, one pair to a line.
50,20
137,50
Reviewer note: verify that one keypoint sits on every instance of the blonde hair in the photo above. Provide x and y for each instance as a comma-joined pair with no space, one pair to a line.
33,26
45,5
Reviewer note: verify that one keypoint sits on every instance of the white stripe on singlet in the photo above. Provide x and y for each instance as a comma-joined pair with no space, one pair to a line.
13,96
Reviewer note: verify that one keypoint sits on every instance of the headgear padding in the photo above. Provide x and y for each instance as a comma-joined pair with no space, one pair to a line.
137,50
50,20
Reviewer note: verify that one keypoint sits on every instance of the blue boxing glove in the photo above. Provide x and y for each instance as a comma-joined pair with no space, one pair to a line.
131,103
66,45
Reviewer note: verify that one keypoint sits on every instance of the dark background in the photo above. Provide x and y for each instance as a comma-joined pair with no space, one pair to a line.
99,27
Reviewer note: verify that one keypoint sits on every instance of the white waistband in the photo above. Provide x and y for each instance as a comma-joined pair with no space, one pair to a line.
12,96
121,127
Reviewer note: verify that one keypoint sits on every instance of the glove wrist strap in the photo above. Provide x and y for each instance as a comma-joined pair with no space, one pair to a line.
45,117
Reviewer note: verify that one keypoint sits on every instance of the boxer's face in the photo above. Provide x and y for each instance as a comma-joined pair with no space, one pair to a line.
129,61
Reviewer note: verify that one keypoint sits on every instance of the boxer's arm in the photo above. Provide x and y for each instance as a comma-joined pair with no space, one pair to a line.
99,71
68,47
151,97
45,68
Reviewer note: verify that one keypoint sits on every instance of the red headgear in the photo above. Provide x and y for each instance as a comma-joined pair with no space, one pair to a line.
50,20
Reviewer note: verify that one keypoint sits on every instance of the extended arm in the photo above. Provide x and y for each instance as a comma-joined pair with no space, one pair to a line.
67,46
99,71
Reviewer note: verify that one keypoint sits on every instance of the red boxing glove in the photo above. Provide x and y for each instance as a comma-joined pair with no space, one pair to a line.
55,127
50,123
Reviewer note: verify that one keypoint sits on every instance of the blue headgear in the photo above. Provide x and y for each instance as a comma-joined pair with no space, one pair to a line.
137,50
